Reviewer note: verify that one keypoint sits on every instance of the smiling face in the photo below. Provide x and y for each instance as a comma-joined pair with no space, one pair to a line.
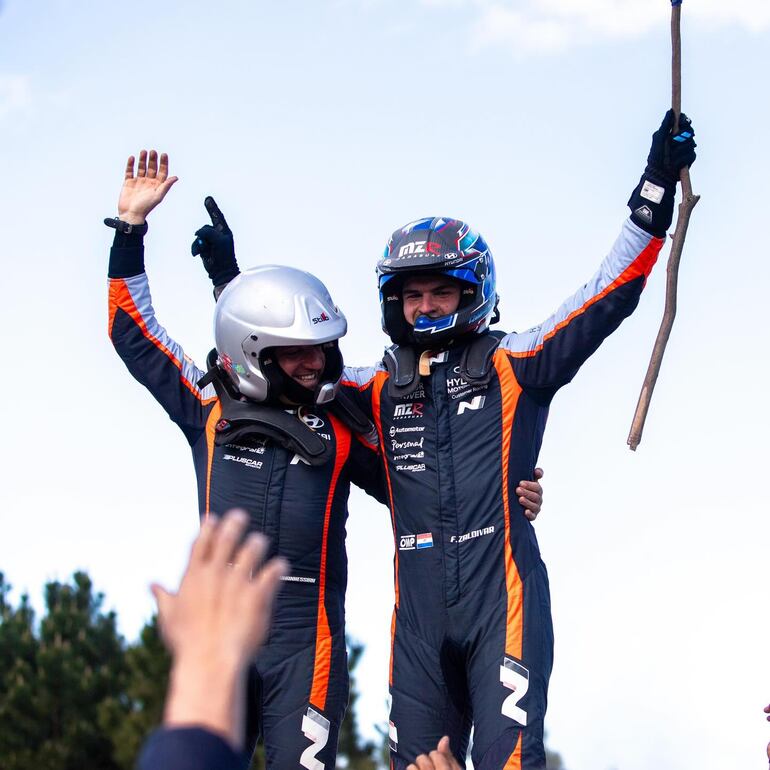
303,363
433,295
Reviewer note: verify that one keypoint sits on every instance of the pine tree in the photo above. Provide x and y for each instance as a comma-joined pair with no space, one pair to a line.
58,686
20,728
148,664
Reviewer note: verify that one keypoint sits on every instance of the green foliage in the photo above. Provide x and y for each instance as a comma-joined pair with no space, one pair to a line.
148,665
75,696
56,683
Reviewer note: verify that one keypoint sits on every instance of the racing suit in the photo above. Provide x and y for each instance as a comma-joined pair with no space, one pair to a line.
472,639
298,688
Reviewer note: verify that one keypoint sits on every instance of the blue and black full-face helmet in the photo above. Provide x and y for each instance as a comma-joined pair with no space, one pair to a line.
447,247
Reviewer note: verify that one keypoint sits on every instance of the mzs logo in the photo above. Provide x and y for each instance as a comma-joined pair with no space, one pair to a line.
406,411
416,248
321,318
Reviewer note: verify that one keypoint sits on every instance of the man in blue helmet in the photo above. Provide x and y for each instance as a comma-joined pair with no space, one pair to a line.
460,413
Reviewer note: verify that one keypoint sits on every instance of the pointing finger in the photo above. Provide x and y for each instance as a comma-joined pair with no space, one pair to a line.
217,218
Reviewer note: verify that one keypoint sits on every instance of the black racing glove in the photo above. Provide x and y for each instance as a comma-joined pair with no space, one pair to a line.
652,201
214,243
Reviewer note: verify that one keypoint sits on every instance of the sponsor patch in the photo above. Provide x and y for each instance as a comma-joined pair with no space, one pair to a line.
247,461
394,431
406,411
652,192
477,402
313,421
414,468
644,213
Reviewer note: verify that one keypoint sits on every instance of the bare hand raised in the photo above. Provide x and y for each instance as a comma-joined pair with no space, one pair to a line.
142,193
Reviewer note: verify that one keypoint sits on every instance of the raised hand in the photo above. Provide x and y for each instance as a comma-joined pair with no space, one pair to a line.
216,248
214,624
222,608
143,191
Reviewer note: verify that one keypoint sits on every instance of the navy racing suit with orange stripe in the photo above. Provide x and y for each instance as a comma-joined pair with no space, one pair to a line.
298,688
472,640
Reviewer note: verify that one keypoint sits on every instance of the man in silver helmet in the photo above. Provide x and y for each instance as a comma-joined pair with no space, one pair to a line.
270,433
267,436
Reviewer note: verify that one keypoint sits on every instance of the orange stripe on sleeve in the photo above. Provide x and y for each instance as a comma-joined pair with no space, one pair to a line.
351,384
211,424
323,639
120,298
510,391
641,266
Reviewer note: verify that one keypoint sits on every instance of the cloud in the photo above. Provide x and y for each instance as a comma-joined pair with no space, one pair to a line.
549,26
15,94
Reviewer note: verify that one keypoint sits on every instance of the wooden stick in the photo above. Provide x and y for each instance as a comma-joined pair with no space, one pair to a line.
672,271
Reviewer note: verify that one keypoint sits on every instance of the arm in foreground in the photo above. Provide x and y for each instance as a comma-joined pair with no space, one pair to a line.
213,627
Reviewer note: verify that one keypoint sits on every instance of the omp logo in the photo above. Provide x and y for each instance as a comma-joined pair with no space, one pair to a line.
321,318
477,402
408,410
419,247
407,543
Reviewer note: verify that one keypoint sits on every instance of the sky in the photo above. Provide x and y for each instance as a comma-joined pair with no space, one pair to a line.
322,126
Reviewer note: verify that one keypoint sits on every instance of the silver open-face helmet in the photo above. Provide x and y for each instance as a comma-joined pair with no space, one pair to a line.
274,306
